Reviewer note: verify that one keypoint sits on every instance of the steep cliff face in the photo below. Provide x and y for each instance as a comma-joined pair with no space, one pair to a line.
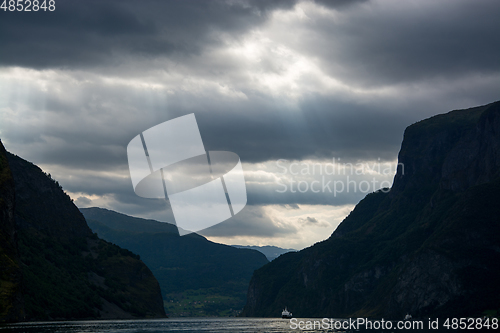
458,150
67,271
10,274
430,246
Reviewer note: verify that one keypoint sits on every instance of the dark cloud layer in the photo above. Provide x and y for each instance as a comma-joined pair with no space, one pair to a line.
401,44
267,80
105,33
324,128
398,42
408,43
92,130
102,33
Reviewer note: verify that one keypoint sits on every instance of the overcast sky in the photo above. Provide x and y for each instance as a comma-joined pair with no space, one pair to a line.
286,85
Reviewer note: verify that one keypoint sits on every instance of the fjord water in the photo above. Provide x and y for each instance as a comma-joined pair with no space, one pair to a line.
186,325
155,326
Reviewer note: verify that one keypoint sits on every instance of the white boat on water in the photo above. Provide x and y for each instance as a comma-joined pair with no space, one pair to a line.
286,314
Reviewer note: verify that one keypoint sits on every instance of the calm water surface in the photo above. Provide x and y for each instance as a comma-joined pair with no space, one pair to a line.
236,325
156,326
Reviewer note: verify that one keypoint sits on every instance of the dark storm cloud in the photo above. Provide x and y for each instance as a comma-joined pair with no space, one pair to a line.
98,33
400,44
370,45
323,128
398,41
83,33
103,33
338,4
90,129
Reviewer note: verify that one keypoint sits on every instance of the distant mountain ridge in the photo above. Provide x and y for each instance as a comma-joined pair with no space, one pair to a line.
122,222
429,247
189,268
271,252
66,272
